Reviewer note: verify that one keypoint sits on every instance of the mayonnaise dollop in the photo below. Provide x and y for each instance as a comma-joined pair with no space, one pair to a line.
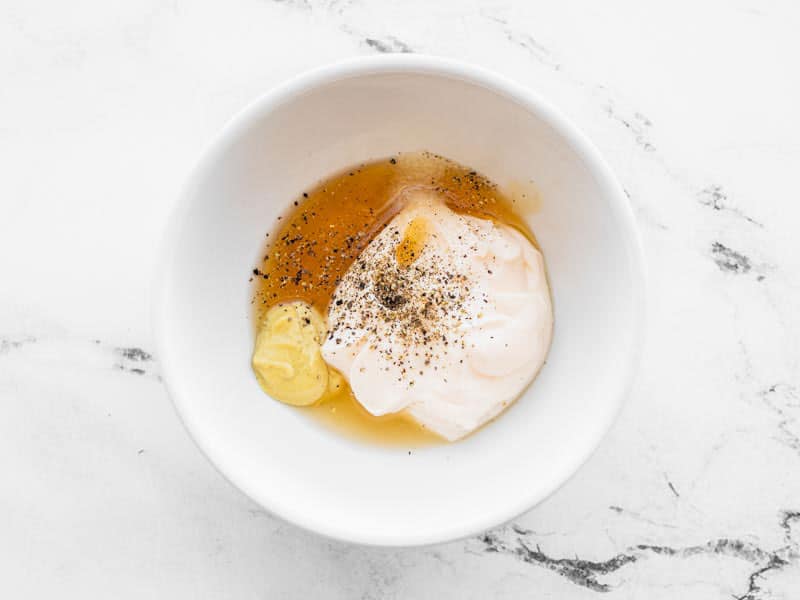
444,315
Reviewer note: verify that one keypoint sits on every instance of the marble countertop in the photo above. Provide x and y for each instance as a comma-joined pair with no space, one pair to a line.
104,107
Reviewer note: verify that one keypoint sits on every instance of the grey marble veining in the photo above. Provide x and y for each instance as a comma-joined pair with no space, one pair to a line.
695,493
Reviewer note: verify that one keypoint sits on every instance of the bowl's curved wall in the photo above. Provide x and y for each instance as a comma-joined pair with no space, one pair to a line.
328,120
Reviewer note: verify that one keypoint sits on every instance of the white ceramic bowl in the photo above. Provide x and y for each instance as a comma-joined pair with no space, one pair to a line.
327,120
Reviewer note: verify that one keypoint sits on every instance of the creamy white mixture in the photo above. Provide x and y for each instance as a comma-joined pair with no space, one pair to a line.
452,338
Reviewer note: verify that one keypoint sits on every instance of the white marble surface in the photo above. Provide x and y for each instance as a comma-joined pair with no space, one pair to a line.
104,106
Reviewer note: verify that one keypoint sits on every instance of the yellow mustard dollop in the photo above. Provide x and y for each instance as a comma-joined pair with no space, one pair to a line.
287,360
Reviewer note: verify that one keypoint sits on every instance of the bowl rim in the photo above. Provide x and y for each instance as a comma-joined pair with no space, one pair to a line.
368,66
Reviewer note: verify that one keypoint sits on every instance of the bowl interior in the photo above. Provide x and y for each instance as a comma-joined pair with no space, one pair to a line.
310,129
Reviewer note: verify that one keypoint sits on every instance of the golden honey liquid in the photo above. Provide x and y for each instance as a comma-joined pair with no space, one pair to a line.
326,229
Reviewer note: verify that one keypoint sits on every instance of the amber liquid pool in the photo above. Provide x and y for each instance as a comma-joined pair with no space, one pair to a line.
315,243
